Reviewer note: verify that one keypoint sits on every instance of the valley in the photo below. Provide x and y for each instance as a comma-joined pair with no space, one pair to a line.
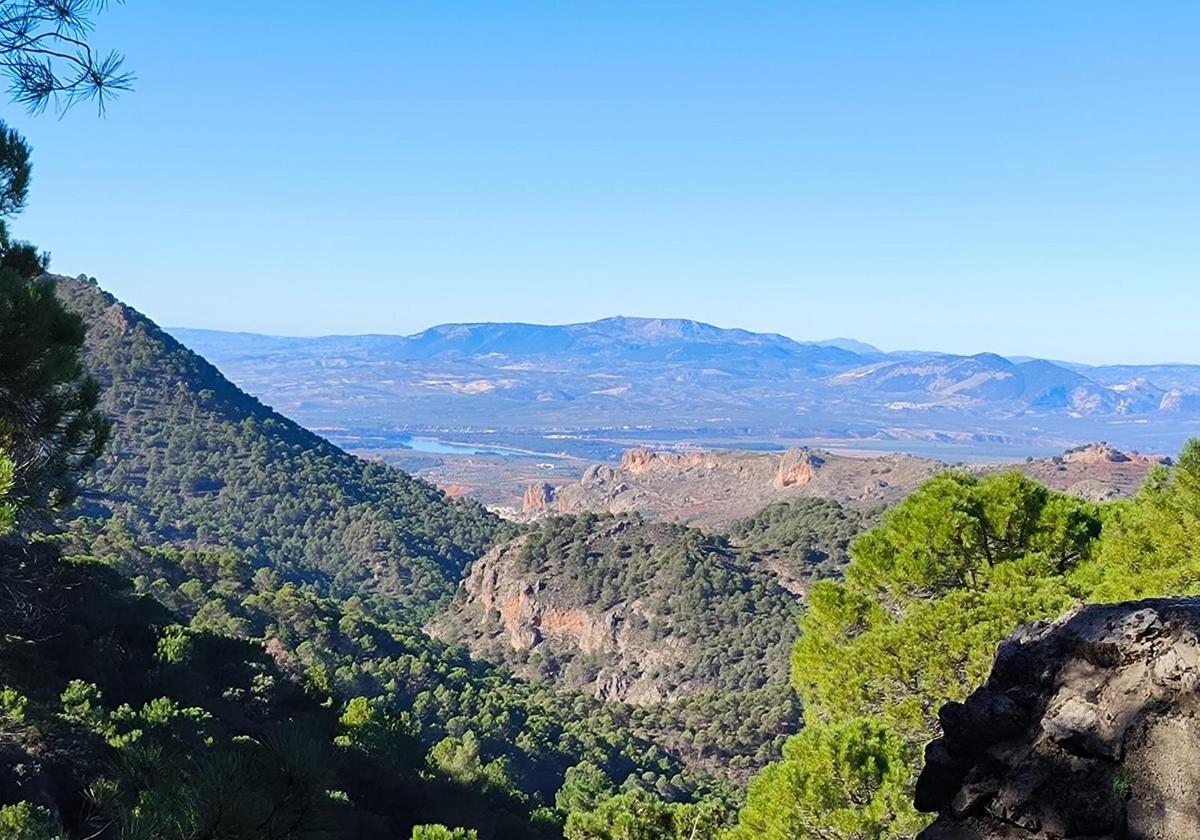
423,522
590,390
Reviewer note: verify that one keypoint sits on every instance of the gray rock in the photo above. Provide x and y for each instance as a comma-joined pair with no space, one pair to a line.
1087,727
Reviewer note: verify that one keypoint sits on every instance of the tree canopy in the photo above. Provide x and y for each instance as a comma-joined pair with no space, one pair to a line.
927,598
928,595
45,53
49,424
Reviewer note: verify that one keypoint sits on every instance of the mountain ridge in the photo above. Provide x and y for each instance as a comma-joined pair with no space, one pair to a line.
687,381
665,326
611,324
196,461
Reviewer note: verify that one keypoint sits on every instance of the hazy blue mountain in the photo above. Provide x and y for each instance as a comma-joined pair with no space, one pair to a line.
854,346
646,338
1165,376
678,379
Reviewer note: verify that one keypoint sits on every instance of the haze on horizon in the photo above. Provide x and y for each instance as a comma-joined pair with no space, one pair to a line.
847,342
1020,179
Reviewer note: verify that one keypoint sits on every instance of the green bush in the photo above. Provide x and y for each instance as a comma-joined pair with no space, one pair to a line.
13,707
440,832
27,822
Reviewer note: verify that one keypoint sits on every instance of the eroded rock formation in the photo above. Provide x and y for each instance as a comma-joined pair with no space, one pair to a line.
797,468
714,489
1087,727
539,498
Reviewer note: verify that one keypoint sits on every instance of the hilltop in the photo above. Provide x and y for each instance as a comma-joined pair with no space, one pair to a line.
713,489
626,609
692,628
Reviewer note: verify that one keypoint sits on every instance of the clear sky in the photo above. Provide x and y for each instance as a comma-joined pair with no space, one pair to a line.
1021,177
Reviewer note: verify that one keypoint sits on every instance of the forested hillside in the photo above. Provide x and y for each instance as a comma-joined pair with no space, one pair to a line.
195,461
628,609
118,721
337,649
647,611
218,624
801,541
236,686
679,623
230,524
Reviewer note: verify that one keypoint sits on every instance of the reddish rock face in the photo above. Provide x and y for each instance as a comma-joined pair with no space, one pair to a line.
636,461
797,467
639,461
714,489
539,498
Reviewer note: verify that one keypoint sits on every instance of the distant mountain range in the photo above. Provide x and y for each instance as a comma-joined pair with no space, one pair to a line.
680,380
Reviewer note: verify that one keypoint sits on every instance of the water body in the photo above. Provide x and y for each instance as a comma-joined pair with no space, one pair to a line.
441,447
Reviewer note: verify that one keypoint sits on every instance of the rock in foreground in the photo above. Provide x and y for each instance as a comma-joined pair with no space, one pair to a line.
1086,727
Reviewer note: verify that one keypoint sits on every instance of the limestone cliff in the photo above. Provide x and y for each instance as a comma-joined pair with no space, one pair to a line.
1087,727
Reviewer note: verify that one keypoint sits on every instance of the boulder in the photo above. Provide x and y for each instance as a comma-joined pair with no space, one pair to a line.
1087,727
798,467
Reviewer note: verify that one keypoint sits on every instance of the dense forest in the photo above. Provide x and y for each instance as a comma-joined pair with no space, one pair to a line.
155,649
915,623
802,540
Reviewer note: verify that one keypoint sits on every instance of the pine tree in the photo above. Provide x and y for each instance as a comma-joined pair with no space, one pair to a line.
49,425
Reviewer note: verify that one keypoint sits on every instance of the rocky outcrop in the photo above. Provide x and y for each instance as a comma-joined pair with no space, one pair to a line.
1094,453
1096,472
527,612
1087,727
539,498
637,461
640,461
1179,400
624,609
529,617
714,489
797,468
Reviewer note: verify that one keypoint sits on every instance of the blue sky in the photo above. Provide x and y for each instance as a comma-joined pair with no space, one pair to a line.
1021,177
